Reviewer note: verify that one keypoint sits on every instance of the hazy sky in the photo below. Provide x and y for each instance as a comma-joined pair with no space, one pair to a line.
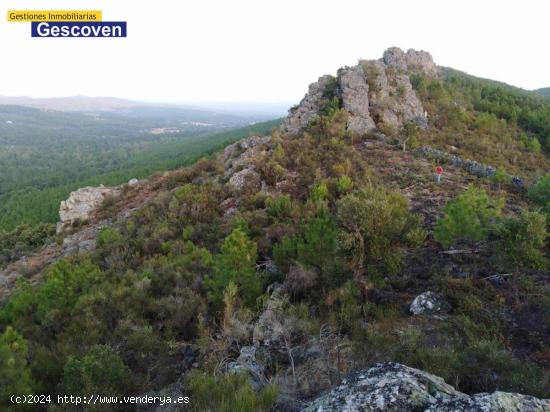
267,50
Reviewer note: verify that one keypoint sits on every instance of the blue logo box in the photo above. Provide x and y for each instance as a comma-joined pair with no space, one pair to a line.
79,29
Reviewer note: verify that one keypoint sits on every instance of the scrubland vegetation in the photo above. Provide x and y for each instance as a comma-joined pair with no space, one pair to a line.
339,236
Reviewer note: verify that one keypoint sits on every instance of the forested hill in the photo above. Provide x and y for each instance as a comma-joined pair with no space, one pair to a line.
300,270
46,154
545,91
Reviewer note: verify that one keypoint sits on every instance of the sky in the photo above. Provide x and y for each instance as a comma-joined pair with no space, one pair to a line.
266,50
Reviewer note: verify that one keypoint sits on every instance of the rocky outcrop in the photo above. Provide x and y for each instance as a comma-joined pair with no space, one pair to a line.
496,401
471,166
373,93
395,387
240,155
410,61
429,303
393,102
270,330
247,181
239,164
82,204
299,116
355,99
247,363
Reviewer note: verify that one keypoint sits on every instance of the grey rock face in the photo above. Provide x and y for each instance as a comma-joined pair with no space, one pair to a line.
355,99
372,92
396,103
412,60
245,181
471,166
309,107
247,363
428,303
386,387
395,387
82,204
240,154
496,401
269,330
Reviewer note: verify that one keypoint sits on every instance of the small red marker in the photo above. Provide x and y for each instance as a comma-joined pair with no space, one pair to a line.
438,173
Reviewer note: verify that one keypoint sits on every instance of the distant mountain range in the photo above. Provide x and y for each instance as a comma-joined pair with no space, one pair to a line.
73,103
545,91
87,104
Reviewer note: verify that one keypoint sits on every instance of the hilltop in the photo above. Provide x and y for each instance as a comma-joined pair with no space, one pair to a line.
302,269
545,91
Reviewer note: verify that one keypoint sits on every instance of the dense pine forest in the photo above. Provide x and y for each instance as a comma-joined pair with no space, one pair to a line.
44,154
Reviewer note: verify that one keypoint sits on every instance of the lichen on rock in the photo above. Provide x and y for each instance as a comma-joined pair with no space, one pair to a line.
429,303
396,387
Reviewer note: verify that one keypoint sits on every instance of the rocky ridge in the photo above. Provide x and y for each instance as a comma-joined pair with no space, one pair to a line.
374,93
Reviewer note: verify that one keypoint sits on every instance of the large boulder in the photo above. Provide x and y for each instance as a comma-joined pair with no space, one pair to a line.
429,303
497,401
82,204
246,181
395,387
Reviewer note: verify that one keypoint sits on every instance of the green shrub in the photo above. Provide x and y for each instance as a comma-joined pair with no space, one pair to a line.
100,371
344,306
314,246
109,237
486,366
411,134
319,193
235,263
279,207
533,145
375,228
50,304
540,191
500,177
228,393
344,184
467,217
15,376
521,242
23,239
284,252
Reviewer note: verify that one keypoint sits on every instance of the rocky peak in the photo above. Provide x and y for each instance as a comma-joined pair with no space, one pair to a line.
374,93
412,60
